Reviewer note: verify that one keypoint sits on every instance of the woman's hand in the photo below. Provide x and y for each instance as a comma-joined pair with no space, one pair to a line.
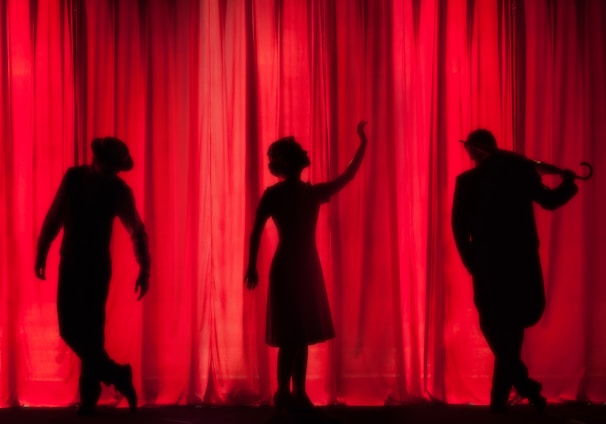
251,278
361,132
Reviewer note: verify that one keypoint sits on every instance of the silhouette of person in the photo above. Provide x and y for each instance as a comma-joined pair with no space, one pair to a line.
85,205
495,233
298,312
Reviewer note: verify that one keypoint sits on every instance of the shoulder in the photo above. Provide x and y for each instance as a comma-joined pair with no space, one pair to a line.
74,174
269,194
468,176
518,165
513,159
272,190
120,186
77,171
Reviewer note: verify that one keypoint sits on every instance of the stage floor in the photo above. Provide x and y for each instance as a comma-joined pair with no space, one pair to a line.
408,414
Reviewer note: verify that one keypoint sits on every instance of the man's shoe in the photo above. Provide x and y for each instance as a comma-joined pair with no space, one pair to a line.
124,385
498,408
535,385
86,410
539,402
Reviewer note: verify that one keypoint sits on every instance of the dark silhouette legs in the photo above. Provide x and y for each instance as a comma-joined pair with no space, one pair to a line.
81,311
285,361
505,339
299,372
292,364
89,386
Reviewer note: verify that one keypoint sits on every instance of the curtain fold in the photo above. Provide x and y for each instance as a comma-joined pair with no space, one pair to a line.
199,89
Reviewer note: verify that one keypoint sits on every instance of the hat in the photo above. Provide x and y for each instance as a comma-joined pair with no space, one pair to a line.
113,152
481,139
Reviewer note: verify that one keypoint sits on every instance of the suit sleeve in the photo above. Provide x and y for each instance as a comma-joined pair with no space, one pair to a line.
552,198
461,225
54,219
127,212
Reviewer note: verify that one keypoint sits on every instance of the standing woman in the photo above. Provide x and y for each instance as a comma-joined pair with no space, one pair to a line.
298,313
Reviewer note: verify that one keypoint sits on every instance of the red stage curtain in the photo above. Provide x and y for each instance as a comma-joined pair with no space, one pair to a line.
199,89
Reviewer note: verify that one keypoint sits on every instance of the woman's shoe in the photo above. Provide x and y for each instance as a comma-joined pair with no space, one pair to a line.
301,402
282,400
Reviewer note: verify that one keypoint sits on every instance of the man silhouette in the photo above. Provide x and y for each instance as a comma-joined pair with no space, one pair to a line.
88,200
495,233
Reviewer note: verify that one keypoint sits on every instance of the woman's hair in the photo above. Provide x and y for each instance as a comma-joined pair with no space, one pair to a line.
286,157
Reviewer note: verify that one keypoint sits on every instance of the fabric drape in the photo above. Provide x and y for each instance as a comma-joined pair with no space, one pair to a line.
199,89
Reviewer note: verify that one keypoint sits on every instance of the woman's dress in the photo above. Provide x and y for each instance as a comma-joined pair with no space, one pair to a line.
297,304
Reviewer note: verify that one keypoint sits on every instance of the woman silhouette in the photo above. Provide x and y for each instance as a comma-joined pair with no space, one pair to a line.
298,313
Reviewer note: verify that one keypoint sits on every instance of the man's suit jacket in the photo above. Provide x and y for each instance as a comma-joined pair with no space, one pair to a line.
495,232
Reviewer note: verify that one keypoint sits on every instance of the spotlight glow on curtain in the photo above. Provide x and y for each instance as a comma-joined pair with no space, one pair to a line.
199,89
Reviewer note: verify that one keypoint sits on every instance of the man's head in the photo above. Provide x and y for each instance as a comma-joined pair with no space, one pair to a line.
111,155
480,144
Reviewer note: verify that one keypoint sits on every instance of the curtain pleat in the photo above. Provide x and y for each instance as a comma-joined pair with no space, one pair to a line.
199,89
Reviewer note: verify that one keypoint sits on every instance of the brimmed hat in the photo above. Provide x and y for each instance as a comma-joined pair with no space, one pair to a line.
113,152
481,139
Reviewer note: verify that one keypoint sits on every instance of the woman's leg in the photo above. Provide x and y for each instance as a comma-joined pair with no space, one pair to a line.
286,356
299,376
299,372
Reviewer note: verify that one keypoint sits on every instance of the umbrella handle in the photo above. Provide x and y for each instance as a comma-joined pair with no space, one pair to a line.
548,168
589,171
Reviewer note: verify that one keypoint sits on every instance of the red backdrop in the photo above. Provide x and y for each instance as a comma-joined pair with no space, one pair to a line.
198,90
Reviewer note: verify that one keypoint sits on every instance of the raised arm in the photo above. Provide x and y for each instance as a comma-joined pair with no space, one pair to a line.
127,212
331,187
50,228
251,279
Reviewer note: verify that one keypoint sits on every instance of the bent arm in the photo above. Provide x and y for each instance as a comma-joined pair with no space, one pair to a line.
553,198
332,187
261,217
255,240
251,277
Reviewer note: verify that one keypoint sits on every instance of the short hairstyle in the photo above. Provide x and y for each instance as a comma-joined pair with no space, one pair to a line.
286,156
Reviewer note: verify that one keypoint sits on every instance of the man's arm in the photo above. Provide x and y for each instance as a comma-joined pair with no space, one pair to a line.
127,212
461,226
553,198
50,228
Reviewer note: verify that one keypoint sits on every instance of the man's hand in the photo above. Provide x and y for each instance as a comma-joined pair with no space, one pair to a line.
40,267
251,278
568,176
142,285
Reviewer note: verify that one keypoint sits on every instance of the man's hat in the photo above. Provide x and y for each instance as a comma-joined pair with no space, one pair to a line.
481,139
113,152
